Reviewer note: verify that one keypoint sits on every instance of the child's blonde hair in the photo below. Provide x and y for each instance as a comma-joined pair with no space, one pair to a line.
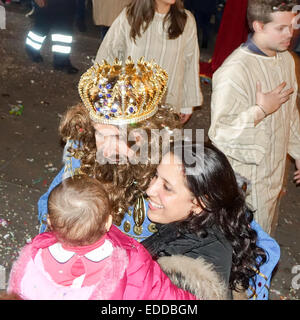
78,210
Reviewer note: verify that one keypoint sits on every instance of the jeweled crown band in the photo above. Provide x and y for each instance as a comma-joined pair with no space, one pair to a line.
117,94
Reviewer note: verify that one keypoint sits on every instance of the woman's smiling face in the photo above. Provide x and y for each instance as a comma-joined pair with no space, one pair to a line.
169,198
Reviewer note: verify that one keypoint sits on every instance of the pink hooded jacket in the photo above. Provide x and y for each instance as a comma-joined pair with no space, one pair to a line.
125,271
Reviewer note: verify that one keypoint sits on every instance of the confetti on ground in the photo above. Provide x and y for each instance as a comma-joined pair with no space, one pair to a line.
3,223
37,180
276,292
16,109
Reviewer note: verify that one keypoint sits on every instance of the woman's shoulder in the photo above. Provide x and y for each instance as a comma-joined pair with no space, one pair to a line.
123,13
189,13
214,249
190,26
217,247
190,17
121,18
220,237
214,237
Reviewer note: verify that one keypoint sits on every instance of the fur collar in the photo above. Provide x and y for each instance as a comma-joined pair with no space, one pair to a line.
196,276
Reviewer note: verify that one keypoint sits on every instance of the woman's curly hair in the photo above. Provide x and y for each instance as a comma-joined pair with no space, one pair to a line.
213,183
123,182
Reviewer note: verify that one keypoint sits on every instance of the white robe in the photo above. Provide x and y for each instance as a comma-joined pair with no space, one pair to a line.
258,153
179,57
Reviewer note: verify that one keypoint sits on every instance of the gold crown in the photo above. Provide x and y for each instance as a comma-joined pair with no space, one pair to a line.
117,94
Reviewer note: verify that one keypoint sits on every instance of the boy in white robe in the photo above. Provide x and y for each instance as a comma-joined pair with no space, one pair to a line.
254,117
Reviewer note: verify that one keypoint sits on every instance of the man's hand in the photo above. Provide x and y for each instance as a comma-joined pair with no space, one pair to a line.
297,172
273,100
185,117
40,3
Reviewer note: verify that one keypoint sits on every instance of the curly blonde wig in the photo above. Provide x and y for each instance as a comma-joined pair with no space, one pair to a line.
123,182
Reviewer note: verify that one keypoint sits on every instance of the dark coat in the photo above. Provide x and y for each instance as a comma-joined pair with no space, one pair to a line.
214,249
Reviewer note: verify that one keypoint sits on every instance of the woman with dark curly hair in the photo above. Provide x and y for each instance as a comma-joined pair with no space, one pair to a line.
200,213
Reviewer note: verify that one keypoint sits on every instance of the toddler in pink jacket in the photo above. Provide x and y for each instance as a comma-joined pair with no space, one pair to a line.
84,256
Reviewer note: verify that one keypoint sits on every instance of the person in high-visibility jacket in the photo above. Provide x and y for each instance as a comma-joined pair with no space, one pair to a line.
54,17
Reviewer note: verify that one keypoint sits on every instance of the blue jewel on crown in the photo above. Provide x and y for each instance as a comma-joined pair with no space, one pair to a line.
115,109
131,109
98,106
